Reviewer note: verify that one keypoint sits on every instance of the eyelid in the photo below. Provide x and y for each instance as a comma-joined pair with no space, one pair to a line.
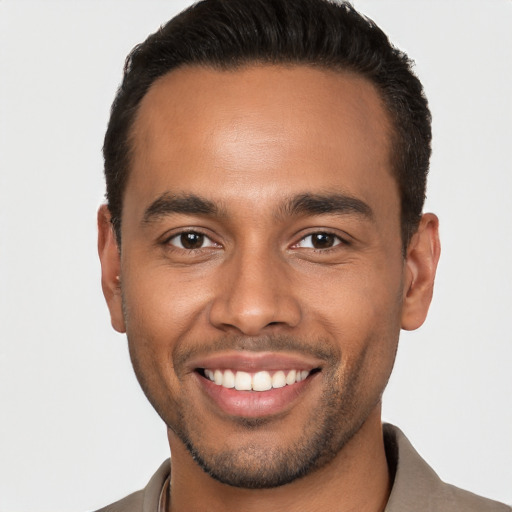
340,239
177,233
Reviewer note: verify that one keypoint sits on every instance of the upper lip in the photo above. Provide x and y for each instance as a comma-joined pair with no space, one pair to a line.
255,361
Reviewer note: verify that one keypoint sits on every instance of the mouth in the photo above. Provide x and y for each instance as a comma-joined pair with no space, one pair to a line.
259,381
256,385
247,384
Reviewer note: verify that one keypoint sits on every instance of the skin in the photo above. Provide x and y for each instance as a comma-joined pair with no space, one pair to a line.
250,141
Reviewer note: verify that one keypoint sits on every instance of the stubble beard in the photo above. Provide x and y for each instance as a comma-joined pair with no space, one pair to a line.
342,410
334,421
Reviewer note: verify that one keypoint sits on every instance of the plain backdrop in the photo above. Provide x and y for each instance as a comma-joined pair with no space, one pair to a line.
75,430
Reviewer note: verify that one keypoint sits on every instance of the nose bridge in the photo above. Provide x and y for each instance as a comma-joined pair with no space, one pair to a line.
254,292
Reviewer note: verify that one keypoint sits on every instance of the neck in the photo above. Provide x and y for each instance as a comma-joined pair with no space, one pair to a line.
356,479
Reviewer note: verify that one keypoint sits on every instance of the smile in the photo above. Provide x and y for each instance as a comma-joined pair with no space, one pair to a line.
245,384
259,381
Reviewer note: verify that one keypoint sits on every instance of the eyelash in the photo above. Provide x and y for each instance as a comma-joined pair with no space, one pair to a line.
178,236
337,241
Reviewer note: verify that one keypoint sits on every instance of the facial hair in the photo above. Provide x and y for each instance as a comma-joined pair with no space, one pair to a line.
334,420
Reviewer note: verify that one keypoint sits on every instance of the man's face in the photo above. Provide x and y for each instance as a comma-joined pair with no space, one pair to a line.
261,237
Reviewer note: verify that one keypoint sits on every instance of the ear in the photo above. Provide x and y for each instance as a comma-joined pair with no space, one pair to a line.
110,259
420,271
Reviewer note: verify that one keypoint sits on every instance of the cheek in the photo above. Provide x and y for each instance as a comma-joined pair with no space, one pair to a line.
357,297
361,312
157,316
163,303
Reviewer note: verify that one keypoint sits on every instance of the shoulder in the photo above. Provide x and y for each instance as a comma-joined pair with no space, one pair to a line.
146,499
454,499
130,503
417,486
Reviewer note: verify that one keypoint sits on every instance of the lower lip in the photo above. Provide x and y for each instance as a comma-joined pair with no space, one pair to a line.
255,404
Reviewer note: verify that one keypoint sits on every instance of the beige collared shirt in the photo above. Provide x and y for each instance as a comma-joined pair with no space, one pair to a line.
416,486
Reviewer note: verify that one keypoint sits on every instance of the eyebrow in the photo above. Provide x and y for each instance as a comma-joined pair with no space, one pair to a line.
303,204
320,204
168,204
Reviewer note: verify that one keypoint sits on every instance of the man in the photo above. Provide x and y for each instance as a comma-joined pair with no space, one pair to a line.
262,246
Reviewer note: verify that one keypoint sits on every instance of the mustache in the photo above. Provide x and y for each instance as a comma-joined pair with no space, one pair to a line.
318,348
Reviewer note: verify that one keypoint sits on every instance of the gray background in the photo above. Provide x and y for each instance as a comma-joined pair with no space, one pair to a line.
75,430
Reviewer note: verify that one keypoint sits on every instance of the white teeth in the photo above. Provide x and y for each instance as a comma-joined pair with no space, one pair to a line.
290,377
259,381
279,380
243,381
229,379
301,375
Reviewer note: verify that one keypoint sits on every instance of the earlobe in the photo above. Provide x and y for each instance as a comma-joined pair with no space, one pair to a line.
420,271
110,268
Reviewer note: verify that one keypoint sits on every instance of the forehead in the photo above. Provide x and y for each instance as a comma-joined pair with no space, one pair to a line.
259,129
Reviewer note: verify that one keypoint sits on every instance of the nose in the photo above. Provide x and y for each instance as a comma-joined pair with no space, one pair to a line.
254,293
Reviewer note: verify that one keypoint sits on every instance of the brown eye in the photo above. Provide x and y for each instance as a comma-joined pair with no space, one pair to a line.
320,240
323,240
191,240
